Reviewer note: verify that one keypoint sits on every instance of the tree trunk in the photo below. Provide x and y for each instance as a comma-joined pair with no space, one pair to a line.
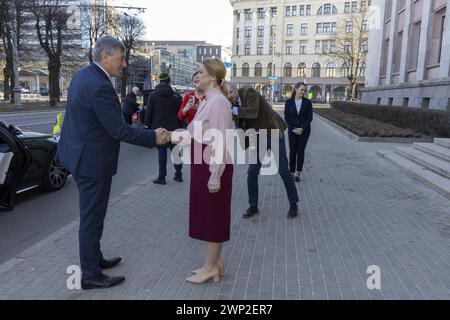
54,68
6,86
11,85
124,82
354,83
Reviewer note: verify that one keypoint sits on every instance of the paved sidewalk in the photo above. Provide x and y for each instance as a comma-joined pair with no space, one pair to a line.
356,211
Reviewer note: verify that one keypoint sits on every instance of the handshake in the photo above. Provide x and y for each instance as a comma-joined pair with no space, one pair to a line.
163,136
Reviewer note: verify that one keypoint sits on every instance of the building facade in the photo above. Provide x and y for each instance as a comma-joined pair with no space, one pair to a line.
208,51
289,41
409,54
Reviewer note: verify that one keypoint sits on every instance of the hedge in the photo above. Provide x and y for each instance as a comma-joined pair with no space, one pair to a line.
424,121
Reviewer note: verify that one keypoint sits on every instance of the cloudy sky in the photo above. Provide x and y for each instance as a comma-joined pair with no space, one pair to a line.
209,20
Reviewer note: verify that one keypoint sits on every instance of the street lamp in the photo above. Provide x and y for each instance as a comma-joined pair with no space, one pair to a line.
17,91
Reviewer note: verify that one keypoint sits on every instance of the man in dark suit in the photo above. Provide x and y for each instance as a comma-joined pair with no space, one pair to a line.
130,106
162,112
89,148
252,111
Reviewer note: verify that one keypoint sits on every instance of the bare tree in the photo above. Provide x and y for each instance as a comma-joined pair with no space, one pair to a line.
56,39
132,29
351,40
98,21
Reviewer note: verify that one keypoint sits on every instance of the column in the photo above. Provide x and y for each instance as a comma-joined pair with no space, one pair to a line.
423,46
392,33
267,39
405,42
445,55
254,34
324,92
376,41
241,40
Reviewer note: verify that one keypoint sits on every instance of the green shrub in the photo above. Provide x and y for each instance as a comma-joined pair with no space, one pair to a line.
424,121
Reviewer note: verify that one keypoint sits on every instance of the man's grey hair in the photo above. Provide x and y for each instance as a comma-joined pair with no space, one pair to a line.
232,85
108,45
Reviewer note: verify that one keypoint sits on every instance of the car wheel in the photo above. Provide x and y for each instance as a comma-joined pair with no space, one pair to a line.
55,175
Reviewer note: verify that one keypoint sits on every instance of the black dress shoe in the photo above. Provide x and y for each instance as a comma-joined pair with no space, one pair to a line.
179,179
161,181
110,263
297,179
101,282
293,211
250,212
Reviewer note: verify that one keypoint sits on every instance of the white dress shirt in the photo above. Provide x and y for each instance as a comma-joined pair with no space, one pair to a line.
106,72
298,104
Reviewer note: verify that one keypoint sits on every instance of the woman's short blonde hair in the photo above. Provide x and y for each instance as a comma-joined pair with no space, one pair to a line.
216,68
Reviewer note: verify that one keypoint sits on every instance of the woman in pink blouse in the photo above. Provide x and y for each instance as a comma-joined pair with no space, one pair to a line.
211,170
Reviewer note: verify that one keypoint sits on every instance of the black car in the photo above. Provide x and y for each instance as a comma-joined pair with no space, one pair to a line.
27,160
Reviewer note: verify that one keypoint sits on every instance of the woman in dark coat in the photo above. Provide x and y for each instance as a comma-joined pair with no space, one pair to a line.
298,113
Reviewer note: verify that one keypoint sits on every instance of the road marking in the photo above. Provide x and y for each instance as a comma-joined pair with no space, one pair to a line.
29,113
32,124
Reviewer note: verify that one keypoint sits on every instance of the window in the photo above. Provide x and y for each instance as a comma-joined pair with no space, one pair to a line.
363,6
260,31
294,11
290,29
304,29
308,10
248,32
316,70
365,25
234,71
325,47
319,28
349,26
301,70
390,101
272,49
302,10
288,47
378,101
333,27
237,50
441,41
327,28
426,103
270,69
345,71
237,33
365,47
414,46
348,47
354,6
318,49
247,50
273,11
287,70
397,52
260,49
272,31
258,70
327,9
332,46
248,14
303,47
261,13
405,102
238,16
331,70
288,11
347,7
245,70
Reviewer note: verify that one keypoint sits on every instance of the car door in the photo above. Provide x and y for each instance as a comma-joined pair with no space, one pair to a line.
14,161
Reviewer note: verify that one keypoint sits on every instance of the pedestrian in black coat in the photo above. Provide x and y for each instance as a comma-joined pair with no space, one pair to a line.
162,112
130,106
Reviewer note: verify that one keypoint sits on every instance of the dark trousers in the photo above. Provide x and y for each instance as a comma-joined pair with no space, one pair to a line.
94,196
297,146
127,118
283,170
162,162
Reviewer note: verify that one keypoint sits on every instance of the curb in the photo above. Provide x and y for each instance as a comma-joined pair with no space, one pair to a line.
357,138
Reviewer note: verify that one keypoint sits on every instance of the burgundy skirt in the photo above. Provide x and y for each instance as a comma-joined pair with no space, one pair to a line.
209,213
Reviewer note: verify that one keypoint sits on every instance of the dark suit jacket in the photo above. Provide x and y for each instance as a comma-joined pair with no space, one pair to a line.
93,126
256,113
130,106
298,120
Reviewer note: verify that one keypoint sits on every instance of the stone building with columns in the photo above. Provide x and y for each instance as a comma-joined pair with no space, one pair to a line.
290,40
409,54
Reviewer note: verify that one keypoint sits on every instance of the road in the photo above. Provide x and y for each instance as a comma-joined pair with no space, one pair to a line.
38,214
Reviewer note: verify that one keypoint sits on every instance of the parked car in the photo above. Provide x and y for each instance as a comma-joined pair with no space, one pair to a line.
44,92
27,161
